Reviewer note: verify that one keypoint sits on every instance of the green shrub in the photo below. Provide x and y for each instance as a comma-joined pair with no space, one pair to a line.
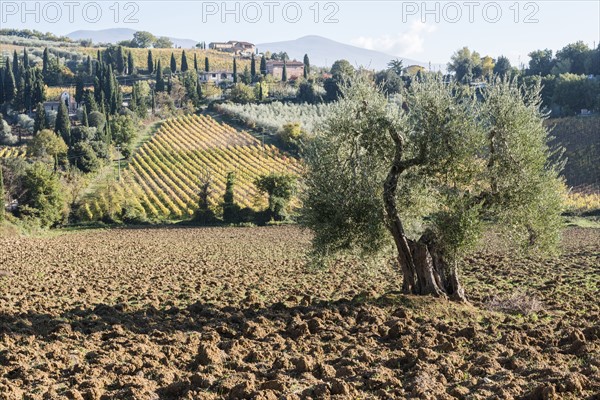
83,156
43,195
280,189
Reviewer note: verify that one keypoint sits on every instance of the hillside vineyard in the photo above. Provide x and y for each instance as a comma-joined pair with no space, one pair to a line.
165,174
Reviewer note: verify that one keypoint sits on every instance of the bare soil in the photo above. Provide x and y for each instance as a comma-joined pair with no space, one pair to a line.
235,313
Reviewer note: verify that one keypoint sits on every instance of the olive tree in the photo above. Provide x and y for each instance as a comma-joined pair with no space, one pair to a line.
423,175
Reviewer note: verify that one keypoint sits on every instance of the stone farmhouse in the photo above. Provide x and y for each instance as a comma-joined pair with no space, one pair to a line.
295,69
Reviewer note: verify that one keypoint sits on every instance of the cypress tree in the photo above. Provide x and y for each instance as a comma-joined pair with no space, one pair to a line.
116,99
184,63
203,213
19,99
284,72
261,95
142,108
102,103
107,58
173,63
246,76
89,66
84,116
253,67
195,62
263,65
97,89
46,61
150,63
130,64
108,86
133,102
160,81
15,66
40,119
306,66
10,86
25,58
120,60
235,77
28,82
206,65
62,126
90,101
229,209
39,90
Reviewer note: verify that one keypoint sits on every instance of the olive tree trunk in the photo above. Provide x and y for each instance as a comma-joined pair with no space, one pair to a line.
425,268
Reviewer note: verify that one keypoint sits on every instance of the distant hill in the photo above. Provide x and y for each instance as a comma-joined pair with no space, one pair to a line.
115,35
324,52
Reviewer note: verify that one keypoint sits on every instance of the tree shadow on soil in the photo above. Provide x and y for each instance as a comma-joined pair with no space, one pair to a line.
195,317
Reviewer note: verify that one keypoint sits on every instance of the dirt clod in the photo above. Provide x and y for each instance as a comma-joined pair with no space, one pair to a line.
209,353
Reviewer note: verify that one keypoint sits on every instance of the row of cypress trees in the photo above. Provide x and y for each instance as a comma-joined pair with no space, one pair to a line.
21,84
152,66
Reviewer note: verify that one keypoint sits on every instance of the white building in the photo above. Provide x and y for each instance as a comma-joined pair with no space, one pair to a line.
216,76
66,99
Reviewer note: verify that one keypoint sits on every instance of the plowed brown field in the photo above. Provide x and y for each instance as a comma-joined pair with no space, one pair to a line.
211,313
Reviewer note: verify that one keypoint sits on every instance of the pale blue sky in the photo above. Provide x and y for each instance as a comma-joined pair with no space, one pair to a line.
394,27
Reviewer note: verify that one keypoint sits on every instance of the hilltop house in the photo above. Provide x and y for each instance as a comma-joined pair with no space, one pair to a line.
295,69
235,47
244,48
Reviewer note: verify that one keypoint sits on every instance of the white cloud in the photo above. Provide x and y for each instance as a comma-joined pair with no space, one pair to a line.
408,43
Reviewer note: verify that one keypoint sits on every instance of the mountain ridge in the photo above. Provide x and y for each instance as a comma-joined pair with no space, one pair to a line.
324,52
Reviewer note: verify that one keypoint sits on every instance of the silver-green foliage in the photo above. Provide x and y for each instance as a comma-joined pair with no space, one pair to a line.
348,162
529,194
468,158
271,117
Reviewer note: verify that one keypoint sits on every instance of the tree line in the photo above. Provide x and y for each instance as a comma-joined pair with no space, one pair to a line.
67,143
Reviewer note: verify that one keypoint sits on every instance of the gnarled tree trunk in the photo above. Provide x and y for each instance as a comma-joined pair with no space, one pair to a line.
424,267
